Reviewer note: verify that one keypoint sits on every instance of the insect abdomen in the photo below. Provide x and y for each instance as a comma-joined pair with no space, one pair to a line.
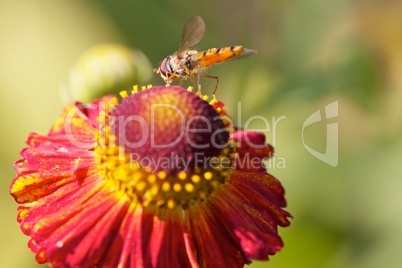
216,55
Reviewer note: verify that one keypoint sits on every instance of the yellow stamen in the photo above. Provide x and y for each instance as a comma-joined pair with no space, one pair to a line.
141,186
135,89
189,187
124,94
171,204
162,175
182,175
177,187
195,178
152,178
154,190
208,175
166,187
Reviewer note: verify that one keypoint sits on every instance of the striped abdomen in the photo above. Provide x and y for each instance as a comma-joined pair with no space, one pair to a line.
216,55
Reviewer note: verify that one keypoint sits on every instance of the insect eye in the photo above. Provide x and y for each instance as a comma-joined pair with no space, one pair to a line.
165,66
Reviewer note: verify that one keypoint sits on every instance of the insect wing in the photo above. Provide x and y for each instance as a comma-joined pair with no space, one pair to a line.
192,33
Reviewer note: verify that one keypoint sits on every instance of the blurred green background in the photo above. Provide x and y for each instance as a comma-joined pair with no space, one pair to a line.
310,54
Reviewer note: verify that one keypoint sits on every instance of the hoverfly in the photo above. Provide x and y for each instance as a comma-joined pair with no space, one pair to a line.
186,63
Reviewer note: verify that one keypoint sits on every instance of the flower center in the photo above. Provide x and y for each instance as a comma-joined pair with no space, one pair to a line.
164,147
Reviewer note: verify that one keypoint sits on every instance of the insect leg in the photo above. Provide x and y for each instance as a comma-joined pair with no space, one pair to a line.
198,81
216,85
192,81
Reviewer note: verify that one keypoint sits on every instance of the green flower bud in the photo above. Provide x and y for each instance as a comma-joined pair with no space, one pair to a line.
105,69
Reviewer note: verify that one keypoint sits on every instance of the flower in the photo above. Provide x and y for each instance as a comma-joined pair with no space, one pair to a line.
160,179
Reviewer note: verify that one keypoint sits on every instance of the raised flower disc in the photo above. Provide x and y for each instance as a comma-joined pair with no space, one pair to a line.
158,180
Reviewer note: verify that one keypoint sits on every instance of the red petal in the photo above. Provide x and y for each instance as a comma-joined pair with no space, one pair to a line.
48,164
212,243
95,242
249,207
126,247
80,119
248,138
59,232
153,233
173,251
251,151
